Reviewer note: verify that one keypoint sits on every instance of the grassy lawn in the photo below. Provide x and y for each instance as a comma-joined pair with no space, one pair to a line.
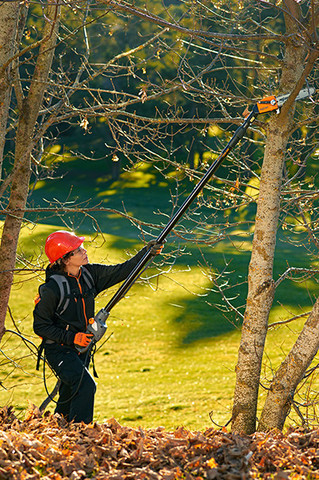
172,353
171,357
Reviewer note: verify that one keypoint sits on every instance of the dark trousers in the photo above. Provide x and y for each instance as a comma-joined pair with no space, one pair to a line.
77,390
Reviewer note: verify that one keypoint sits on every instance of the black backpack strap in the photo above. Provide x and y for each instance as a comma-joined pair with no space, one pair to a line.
88,278
65,292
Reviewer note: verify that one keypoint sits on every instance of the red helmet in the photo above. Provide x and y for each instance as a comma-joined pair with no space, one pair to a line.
60,243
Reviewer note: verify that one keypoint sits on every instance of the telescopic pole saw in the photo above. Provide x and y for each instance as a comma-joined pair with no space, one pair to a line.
97,326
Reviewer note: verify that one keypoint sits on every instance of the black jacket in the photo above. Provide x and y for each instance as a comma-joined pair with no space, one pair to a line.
61,329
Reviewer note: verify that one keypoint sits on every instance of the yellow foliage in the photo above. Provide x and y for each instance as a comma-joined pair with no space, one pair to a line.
214,131
252,190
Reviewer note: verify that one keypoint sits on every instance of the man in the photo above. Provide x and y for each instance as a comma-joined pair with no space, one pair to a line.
62,324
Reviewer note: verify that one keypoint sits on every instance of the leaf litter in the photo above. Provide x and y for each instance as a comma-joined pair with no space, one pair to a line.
46,446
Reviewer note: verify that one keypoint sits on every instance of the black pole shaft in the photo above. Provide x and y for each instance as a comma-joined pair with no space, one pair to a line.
238,135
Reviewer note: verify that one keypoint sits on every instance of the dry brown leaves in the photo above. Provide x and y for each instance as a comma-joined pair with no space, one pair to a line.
47,447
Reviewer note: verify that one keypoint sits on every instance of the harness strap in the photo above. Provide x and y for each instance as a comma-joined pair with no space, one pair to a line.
88,278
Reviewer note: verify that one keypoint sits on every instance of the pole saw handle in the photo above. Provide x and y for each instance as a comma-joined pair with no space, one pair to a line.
96,327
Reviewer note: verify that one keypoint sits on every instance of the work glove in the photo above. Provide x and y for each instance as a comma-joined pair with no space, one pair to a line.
155,248
82,339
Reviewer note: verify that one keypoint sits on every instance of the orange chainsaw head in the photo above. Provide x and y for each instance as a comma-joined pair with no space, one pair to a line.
267,104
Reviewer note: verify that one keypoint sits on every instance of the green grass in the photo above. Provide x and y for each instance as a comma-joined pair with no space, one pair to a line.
171,358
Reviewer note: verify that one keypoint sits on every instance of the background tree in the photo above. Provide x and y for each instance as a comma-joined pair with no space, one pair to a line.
8,32
29,105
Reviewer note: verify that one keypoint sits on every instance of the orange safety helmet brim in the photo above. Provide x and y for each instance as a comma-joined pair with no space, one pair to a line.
60,243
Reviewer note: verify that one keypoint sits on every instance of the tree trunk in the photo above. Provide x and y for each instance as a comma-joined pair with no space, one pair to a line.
260,282
290,373
22,165
8,27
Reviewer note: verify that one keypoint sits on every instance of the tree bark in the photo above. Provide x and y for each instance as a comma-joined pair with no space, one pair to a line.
261,287
8,25
22,165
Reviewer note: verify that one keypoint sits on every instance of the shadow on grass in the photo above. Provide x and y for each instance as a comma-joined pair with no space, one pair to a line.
207,318
204,316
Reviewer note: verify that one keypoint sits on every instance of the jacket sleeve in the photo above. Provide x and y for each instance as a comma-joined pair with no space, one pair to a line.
105,276
44,323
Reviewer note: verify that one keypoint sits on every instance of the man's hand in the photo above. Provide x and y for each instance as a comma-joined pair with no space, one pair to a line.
83,339
155,248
